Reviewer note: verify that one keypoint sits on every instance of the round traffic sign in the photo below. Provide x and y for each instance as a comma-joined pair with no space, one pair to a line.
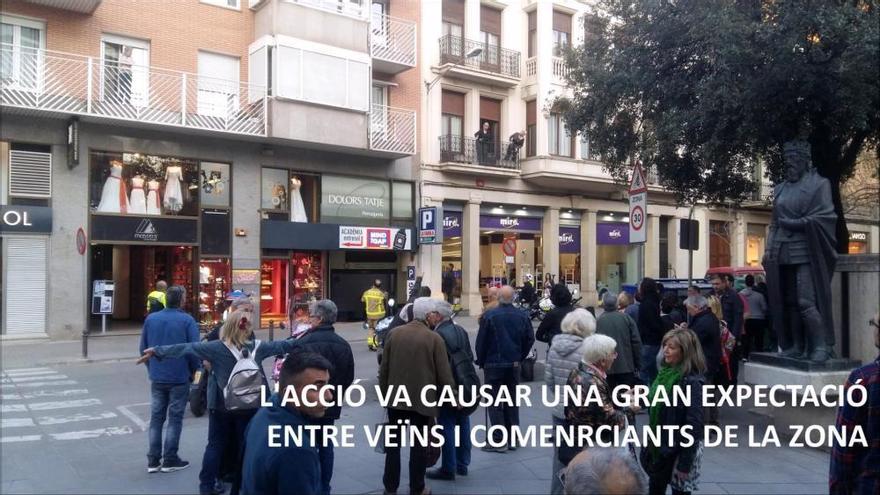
81,241
509,246
637,218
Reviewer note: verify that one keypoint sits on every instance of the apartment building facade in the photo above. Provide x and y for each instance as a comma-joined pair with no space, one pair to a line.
546,208
264,145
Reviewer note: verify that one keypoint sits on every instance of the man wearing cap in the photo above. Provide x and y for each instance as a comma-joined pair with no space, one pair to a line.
414,358
374,305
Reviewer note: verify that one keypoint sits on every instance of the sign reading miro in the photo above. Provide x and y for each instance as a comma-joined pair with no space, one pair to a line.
351,200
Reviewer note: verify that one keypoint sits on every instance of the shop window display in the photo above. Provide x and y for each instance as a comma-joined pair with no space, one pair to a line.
118,182
214,284
273,291
307,282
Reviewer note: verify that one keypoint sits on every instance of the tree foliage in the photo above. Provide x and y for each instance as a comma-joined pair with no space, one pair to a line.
703,89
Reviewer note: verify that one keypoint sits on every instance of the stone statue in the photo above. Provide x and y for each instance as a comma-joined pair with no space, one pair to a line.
799,259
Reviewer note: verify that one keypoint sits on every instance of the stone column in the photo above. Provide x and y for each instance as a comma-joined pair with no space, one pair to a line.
471,300
738,240
429,260
550,233
588,257
652,247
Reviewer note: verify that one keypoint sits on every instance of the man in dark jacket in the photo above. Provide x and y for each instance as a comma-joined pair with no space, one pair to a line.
621,328
732,309
503,342
322,339
551,325
169,379
448,283
650,328
269,469
708,330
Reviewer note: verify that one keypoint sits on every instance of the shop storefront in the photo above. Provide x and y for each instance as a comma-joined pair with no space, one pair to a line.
616,259
160,218
511,248
325,236
452,246
24,249
858,242
570,256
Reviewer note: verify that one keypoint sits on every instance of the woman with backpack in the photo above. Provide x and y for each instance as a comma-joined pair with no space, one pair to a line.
234,387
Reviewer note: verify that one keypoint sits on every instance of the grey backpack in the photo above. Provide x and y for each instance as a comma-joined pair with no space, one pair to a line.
242,391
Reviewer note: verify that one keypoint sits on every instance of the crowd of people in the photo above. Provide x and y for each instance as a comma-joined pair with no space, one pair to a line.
651,339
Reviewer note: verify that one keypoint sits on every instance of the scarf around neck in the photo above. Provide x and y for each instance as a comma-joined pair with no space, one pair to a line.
666,379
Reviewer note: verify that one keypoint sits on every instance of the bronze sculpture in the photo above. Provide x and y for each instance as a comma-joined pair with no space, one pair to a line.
799,259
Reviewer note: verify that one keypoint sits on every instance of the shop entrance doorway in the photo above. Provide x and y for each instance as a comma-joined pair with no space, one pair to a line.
347,286
135,269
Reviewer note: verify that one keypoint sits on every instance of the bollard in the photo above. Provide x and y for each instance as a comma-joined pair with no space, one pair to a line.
85,343
271,330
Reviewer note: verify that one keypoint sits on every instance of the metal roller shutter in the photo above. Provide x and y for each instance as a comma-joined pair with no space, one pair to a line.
26,283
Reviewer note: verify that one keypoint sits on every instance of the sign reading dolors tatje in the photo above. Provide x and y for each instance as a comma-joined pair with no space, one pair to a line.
380,238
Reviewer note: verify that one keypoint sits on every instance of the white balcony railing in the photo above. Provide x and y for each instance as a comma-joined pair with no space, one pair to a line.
560,69
356,8
67,83
393,39
393,130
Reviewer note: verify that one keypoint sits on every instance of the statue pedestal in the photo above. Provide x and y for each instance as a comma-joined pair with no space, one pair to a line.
772,369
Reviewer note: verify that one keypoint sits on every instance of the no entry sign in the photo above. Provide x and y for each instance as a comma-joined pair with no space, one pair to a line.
509,246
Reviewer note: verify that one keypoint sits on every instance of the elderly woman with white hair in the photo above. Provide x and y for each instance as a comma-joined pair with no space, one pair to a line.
564,355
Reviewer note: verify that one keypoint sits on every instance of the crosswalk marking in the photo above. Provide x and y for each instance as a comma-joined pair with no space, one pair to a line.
16,422
134,417
22,438
8,408
44,393
101,432
57,420
64,404
12,373
15,379
26,370
40,384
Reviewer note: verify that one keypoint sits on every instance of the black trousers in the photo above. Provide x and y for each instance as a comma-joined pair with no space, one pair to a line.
498,378
660,474
754,338
418,455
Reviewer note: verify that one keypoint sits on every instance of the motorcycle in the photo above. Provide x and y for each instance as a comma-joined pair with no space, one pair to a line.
382,329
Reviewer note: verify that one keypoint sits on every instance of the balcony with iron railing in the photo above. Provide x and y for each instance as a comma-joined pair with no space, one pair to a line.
392,130
492,64
392,44
466,154
63,83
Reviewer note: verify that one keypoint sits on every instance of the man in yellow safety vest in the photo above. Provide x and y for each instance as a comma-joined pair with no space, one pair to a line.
374,302
156,299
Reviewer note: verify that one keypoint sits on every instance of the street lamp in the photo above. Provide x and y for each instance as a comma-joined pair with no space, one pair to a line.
473,53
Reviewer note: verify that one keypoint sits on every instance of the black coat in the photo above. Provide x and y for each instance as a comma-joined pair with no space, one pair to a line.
708,330
551,326
325,341
649,322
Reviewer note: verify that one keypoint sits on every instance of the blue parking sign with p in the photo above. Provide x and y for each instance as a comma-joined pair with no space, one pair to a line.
429,218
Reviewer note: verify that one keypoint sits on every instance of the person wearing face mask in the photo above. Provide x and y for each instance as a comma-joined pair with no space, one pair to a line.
292,468
669,463
414,358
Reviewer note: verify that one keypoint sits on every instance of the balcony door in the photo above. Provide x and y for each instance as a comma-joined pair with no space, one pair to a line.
21,60
490,38
378,23
125,76
218,87
379,115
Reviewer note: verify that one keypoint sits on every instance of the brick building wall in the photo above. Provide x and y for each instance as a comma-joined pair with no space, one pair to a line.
407,94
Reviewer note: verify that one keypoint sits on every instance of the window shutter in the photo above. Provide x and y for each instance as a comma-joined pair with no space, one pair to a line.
490,110
561,22
26,283
533,20
490,20
30,174
453,11
453,103
531,112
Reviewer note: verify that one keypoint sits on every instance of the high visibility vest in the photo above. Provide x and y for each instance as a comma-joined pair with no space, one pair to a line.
374,302
157,295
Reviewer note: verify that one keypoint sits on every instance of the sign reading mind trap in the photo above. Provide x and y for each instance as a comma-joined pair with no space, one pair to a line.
638,206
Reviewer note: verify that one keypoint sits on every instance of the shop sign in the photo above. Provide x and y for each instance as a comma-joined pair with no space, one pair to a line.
612,233
858,236
25,219
410,279
346,199
510,223
245,277
379,238
570,240
452,224
429,230
161,230
102,297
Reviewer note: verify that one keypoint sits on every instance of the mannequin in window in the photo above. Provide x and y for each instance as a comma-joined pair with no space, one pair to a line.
173,201
154,206
138,200
113,196
297,208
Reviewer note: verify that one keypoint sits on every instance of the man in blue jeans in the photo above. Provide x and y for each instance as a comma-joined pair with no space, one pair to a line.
505,339
169,379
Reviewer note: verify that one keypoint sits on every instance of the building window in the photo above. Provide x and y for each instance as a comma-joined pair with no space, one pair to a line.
19,53
330,77
531,128
126,76
560,42
587,152
230,4
218,85
558,137
533,34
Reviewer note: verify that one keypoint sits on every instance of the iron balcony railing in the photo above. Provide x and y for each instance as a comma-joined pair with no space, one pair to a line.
393,39
75,84
492,58
460,149
763,192
356,8
393,130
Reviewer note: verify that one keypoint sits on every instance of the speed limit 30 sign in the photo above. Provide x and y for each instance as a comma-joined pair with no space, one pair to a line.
638,206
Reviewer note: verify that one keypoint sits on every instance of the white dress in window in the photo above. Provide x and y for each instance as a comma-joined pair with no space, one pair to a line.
113,197
297,208
138,201
173,200
154,206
